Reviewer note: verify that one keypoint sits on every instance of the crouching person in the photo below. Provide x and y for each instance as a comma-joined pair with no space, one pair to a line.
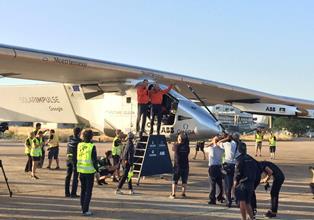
86,167
105,169
127,164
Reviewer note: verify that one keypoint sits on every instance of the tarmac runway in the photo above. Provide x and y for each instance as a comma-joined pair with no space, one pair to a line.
44,198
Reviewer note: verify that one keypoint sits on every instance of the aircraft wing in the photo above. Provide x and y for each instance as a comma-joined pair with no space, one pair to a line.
23,63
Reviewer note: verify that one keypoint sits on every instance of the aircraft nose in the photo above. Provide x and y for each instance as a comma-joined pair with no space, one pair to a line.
210,128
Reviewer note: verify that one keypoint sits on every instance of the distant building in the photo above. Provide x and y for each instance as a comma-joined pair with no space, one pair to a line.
232,118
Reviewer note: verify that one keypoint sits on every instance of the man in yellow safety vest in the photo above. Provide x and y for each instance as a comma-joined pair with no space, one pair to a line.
36,152
116,154
259,140
272,145
53,149
27,151
86,167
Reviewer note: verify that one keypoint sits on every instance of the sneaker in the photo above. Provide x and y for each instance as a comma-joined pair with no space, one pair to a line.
36,177
99,182
172,196
270,214
183,195
118,192
57,168
48,167
87,213
67,195
131,192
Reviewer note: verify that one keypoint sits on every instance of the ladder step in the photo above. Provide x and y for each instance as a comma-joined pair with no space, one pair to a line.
138,156
142,142
140,149
138,164
136,171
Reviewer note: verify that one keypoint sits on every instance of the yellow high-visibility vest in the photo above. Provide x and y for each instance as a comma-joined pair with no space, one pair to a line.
36,150
28,145
54,142
272,141
116,150
84,158
258,137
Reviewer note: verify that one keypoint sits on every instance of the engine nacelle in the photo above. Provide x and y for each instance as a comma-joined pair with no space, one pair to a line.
306,113
267,109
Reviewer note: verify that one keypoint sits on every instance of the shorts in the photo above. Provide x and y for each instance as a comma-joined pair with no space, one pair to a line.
258,145
272,149
244,192
312,188
53,153
180,173
36,158
200,146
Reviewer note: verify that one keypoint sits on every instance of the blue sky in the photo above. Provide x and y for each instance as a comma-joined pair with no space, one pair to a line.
262,45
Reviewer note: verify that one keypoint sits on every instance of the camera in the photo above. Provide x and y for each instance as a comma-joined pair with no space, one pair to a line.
267,186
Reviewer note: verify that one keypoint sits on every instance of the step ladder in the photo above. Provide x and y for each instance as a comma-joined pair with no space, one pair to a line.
151,157
139,155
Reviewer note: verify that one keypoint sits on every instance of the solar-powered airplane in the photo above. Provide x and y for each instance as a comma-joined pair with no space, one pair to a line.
102,95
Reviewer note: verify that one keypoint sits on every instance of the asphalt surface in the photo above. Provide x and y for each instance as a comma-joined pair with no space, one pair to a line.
44,198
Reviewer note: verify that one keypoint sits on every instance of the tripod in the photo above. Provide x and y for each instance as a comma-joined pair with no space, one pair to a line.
6,179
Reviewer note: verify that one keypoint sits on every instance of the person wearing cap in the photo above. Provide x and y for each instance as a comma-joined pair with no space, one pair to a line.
215,154
73,141
86,167
116,154
245,176
127,164
27,151
142,105
156,97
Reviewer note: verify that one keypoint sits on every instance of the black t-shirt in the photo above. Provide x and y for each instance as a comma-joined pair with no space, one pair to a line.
246,169
277,173
181,155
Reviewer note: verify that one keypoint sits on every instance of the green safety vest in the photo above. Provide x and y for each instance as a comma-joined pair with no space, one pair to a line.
258,137
84,158
28,145
130,173
116,150
36,150
272,141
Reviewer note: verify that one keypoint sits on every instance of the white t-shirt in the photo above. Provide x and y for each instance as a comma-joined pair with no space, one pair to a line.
215,154
230,148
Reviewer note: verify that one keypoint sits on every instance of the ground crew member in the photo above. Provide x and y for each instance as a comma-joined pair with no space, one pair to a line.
36,152
215,154
36,130
181,164
27,151
199,147
272,170
272,145
116,154
142,106
231,151
259,140
53,149
86,167
127,163
74,140
245,176
156,96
